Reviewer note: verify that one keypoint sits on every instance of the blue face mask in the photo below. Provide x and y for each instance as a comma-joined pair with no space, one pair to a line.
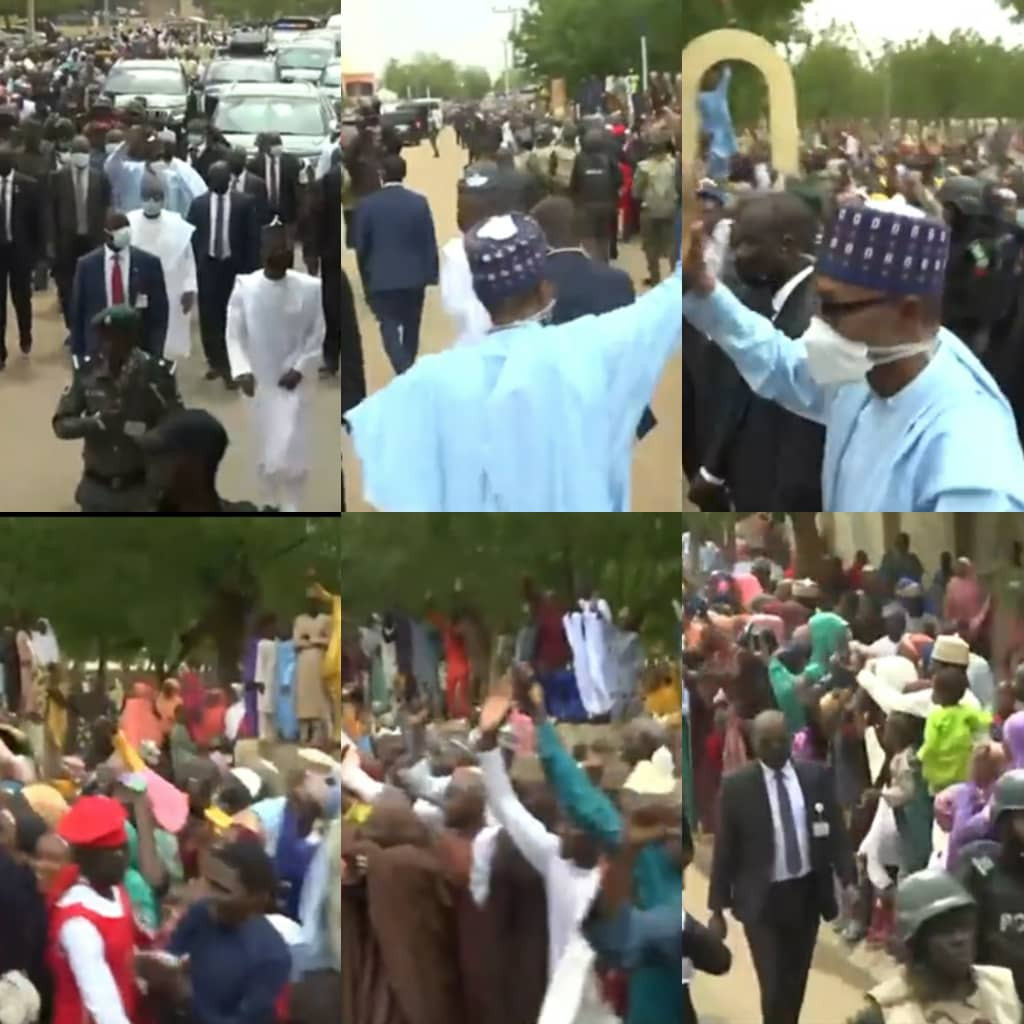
1020,218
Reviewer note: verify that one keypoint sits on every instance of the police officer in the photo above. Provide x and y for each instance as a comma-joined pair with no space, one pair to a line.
562,160
936,920
113,398
595,183
995,878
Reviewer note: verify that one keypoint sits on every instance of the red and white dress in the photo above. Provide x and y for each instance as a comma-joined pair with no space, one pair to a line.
92,946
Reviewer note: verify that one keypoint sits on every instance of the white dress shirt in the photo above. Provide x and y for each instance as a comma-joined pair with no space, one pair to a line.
780,873
215,200
7,184
240,182
273,169
124,258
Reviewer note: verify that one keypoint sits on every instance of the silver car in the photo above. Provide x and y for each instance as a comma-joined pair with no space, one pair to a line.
303,60
297,111
162,84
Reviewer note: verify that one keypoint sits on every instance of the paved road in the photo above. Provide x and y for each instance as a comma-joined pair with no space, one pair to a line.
832,994
39,472
657,473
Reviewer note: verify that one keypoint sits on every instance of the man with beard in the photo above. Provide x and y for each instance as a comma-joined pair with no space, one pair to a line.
759,455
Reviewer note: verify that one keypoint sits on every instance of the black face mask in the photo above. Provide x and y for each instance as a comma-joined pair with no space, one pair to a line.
6,165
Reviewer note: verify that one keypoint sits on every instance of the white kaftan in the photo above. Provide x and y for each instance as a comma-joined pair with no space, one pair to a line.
169,238
273,327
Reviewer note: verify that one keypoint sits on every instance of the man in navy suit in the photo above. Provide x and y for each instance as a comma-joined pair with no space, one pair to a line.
397,252
583,286
118,274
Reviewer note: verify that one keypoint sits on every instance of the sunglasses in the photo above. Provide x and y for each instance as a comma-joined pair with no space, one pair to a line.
831,309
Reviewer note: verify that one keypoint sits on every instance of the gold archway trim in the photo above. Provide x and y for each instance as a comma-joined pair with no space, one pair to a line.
734,45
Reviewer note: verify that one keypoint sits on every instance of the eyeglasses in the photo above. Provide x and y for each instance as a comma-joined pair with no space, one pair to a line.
831,309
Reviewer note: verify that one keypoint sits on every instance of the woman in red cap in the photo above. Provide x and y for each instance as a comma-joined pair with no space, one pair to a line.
93,934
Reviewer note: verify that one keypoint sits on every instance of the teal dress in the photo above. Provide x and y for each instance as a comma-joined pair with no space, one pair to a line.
655,988
784,688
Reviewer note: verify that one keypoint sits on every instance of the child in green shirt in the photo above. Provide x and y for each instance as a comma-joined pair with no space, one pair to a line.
950,731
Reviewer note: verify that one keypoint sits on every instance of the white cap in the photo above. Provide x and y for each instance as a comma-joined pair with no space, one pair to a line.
952,650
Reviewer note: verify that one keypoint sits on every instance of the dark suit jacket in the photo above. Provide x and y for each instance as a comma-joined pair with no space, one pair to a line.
63,222
326,223
288,185
584,286
243,231
395,241
256,188
89,297
770,458
744,852
28,222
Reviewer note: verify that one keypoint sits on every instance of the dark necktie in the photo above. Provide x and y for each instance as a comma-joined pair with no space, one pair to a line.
116,282
218,238
789,838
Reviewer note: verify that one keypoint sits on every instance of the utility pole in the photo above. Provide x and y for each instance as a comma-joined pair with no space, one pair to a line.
509,47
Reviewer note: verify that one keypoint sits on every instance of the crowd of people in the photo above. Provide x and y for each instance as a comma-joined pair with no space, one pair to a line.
861,724
542,205
480,831
151,226
161,858
830,310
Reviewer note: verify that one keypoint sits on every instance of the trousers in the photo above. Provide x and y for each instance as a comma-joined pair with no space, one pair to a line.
399,313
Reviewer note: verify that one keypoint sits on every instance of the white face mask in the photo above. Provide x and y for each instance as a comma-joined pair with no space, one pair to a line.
152,207
833,359
121,238
79,160
276,150
111,146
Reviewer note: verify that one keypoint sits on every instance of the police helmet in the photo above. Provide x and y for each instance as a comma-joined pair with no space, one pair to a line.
925,895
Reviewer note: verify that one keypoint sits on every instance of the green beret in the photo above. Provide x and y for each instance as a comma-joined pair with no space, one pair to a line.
127,318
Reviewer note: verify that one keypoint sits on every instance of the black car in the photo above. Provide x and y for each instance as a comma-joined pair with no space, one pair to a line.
408,123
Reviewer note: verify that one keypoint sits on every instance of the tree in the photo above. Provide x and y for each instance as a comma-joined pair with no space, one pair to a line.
112,588
395,564
573,39
474,83
834,80
427,74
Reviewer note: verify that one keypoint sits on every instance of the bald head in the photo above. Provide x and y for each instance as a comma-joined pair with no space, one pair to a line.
771,740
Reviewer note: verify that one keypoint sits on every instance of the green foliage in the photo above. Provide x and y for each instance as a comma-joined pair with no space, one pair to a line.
395,561
573,39
135,582
265,10
430,74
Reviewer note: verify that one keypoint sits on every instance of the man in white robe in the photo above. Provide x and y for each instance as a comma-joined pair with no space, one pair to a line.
127,165
168,236
275,331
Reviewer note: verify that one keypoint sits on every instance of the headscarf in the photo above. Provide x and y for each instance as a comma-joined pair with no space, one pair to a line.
1013,739
828,631
965,598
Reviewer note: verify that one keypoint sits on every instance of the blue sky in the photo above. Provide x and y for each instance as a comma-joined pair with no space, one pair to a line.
373,31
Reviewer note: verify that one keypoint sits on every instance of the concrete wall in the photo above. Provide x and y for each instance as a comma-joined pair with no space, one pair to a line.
931,533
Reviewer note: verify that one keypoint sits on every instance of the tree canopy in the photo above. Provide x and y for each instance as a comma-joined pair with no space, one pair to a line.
433,75
574,39
390,562
138,582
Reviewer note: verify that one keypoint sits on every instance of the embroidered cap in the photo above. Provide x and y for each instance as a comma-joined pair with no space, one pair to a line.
885,248
507,256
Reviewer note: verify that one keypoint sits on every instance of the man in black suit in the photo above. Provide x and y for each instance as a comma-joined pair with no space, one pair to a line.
756,455
79,197
244,180
226,244
22,236
780,840
396,249
280,171
326,251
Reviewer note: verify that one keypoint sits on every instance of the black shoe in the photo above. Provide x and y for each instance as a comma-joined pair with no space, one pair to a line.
230,384
327,372
3,364
212,374
26,346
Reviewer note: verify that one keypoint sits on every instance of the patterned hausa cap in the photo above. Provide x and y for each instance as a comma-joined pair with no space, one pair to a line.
507,256
885,248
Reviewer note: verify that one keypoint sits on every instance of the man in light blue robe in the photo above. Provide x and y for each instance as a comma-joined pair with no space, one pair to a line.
182,183
716,119
914,422
531,418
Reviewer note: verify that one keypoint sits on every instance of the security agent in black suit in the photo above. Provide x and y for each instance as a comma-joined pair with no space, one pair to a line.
780,840
326,252
280,171
754,454
22,236
244,180
221,255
